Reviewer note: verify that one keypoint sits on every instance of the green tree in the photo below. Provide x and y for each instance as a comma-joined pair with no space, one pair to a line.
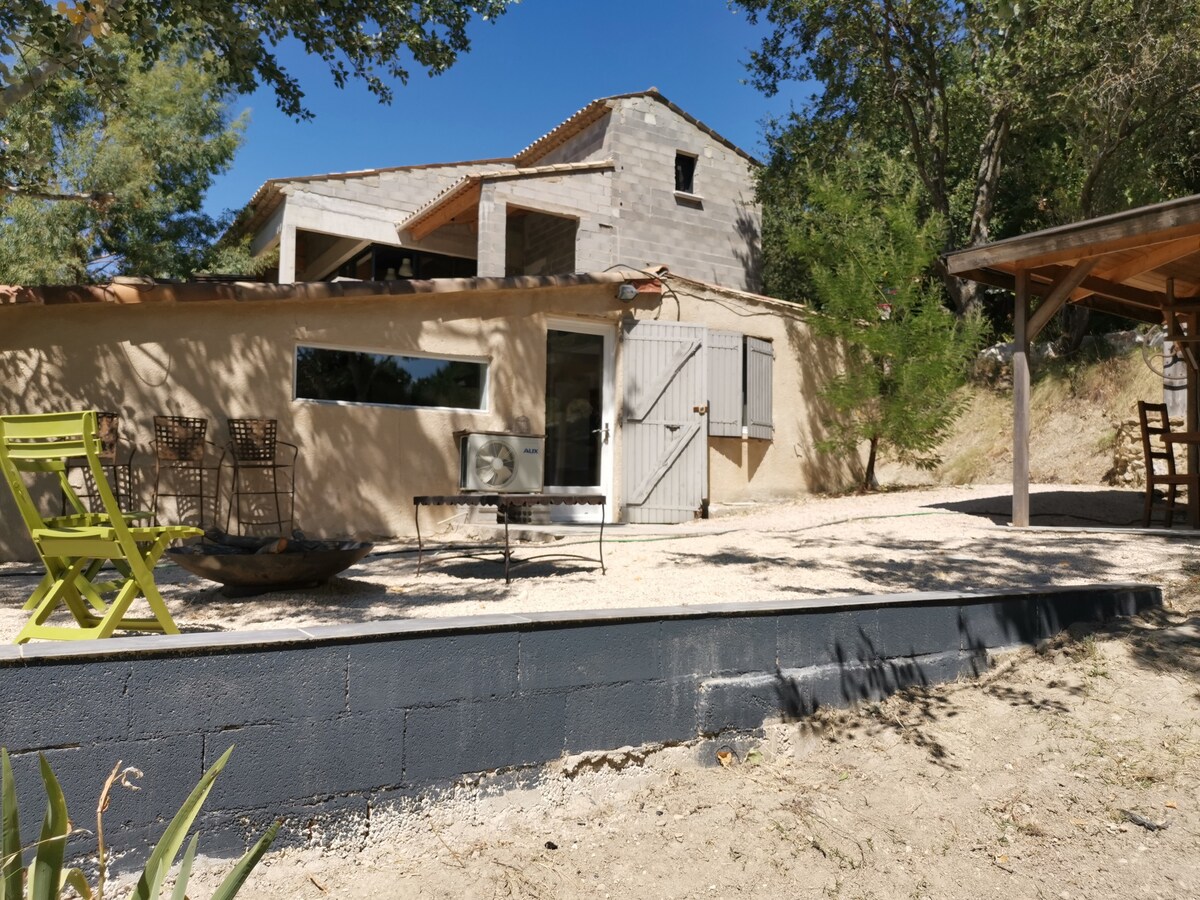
151,160
1013,114
85,41
866,252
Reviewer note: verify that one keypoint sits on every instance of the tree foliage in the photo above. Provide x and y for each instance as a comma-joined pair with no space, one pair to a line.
867,254
43,44
149,163
1014,115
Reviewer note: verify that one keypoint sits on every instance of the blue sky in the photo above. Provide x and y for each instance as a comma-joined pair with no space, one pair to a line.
525,73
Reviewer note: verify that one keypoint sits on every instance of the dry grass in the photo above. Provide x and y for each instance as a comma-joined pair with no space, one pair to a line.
1074,412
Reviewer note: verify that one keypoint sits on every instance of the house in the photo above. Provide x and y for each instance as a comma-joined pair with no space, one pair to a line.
659,381
666,394
628,180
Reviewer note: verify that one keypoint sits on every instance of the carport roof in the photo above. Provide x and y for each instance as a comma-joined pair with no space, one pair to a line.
1142,263
1136,263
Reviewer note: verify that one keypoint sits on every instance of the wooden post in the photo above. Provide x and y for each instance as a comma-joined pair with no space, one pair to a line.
1193,425
1020,369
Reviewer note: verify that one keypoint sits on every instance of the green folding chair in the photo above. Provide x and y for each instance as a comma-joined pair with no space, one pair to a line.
74,548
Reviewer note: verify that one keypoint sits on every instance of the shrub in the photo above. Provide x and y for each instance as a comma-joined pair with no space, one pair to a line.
47,877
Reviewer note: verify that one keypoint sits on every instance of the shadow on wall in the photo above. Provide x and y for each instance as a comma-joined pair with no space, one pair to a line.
358,466
748,250
822,471
910,648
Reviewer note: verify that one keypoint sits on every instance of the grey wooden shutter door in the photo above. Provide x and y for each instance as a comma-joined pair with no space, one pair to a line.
724,383
664,445
760,363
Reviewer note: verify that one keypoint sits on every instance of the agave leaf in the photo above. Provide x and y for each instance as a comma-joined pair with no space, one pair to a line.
10,833
185,870
76,879
168,845
48,859
241,871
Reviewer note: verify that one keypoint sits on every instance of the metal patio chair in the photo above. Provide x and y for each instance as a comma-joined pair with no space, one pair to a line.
256,453
182,456
109,424
73,548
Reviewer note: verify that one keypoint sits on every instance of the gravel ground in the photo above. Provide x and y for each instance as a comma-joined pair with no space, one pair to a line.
892,542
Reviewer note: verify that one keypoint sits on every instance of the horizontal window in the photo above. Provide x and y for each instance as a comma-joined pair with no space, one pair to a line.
355,376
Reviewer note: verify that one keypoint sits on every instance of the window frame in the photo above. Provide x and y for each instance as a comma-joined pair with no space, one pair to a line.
690,190
484,360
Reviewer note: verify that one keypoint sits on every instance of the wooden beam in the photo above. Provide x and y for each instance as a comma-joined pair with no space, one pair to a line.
446,211
1094,237
1020,514
1058,296
1093,285
1154,256
1181,337
1193,424
1136,313
332,258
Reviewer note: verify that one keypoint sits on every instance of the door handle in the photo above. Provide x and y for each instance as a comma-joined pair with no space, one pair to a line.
603,431
703,410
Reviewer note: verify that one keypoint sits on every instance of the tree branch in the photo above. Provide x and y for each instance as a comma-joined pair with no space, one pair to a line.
96,198
40,75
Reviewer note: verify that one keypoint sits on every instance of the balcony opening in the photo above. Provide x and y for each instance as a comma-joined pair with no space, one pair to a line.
539,243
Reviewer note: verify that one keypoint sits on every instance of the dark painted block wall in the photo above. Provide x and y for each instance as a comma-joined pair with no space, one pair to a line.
334,721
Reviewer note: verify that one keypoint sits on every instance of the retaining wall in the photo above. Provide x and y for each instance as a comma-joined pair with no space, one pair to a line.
339,720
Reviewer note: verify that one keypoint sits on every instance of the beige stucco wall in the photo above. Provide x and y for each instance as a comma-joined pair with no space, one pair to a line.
360,465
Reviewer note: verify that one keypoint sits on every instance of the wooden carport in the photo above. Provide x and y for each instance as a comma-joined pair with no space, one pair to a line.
1143,264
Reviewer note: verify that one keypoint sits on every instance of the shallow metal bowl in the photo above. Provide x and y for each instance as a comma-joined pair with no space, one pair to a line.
315,564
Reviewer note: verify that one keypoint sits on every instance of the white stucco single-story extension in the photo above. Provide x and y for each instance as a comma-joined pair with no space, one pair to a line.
664,393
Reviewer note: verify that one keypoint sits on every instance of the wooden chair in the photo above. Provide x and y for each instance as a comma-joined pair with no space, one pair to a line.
73,548
255,452
1156,424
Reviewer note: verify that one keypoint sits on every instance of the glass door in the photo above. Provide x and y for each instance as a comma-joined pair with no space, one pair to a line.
579,421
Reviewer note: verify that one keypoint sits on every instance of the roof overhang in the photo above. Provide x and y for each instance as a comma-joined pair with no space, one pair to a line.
459,203
1143,263
150,292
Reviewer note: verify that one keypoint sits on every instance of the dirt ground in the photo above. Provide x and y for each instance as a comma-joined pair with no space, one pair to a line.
1069,771
1050,777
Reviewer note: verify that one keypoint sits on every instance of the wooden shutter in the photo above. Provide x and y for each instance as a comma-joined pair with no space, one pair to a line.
724,349
760,362
664,450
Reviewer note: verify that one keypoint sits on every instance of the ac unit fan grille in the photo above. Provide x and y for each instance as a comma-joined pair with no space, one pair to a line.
495,464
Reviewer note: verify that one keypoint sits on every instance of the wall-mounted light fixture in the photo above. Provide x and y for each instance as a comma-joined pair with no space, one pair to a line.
406,269
627,292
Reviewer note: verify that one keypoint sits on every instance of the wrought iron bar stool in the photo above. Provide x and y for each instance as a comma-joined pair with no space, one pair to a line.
182,454
255,452
109,434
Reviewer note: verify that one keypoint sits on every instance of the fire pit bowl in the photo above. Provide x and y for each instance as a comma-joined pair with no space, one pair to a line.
256,565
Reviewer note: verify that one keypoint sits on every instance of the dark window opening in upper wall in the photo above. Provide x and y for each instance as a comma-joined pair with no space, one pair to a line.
685,173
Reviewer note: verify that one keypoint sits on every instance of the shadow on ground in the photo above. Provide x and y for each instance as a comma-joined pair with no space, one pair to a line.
1080,509
913,564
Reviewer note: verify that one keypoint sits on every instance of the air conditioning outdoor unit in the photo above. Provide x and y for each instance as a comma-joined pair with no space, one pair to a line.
494,461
